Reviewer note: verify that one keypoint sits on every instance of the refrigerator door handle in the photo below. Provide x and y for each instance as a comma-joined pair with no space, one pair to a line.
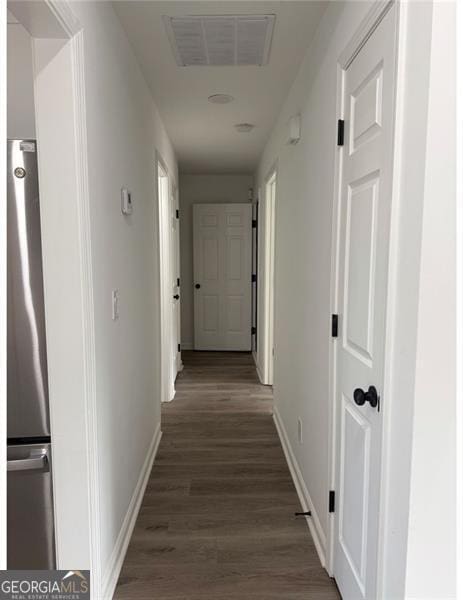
36,460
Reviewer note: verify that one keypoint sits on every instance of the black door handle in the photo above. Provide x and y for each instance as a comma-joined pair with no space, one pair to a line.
360,397
176,297
197,286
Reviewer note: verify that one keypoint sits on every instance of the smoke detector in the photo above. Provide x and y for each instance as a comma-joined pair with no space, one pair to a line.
244,127
220,98
220,40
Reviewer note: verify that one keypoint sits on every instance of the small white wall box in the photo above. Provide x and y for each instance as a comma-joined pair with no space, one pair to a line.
126,202
294,130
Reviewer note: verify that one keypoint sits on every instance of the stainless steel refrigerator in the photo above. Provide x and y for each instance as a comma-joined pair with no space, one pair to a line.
30,523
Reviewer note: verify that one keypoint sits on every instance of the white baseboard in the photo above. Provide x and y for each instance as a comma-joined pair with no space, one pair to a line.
259,372
186,345
259,375
313,521
254,356
120,548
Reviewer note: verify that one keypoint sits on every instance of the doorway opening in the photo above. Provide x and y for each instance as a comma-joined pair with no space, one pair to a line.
60,146
266,281
167,284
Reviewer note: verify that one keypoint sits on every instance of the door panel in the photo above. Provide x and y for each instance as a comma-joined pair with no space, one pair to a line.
211,259
234,257
366,186
222,270
360,266
354,476
366,108
211,313
234,312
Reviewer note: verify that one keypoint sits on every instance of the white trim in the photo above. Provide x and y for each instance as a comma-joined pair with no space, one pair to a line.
77,47
116,560
266,271
363,33
259,371
313,522
165,287
62,12
334,296
254,358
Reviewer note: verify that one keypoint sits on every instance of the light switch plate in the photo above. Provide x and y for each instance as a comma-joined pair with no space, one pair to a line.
126,202
115,304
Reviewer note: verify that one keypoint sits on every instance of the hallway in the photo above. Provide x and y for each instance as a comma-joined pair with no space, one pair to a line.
217,517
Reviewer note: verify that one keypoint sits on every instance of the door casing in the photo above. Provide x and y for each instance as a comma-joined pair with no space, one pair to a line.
166,328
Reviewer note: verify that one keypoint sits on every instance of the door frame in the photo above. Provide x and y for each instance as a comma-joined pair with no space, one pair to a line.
175,208
266,278
369,24
402,302
164,213
54,20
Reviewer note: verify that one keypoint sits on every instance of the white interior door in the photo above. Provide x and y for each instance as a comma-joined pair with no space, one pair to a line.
222,276
175,274
369,84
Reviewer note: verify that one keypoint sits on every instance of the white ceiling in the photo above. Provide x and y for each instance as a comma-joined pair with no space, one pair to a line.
203,134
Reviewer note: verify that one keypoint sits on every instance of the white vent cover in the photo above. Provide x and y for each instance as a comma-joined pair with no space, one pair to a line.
220,40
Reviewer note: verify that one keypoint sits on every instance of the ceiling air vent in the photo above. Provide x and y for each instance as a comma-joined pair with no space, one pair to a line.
221,40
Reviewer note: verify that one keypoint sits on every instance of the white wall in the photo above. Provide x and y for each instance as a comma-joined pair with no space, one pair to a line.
304,200
419,557
196,189
431,568
20,82
124,130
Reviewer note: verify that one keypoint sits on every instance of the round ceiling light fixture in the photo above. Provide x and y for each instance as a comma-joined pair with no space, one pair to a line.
220,98
244,127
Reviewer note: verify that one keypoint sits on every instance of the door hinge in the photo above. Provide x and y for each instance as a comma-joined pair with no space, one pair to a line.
178,281
253,278
340,132
334,326
254,223
178,347
177,214
253,330
331,501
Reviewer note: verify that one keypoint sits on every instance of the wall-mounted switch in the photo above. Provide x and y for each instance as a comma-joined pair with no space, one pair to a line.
115,304
126,202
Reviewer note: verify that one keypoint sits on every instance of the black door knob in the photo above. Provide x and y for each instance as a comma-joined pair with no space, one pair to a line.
360,397
197,286
176,297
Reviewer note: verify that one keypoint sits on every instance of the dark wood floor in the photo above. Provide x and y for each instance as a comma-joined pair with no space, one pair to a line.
217,520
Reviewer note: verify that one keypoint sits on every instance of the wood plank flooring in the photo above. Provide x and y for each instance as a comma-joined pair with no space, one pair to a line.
217,520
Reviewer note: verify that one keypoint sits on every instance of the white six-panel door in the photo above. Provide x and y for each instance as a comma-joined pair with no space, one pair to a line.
366,188
222,276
